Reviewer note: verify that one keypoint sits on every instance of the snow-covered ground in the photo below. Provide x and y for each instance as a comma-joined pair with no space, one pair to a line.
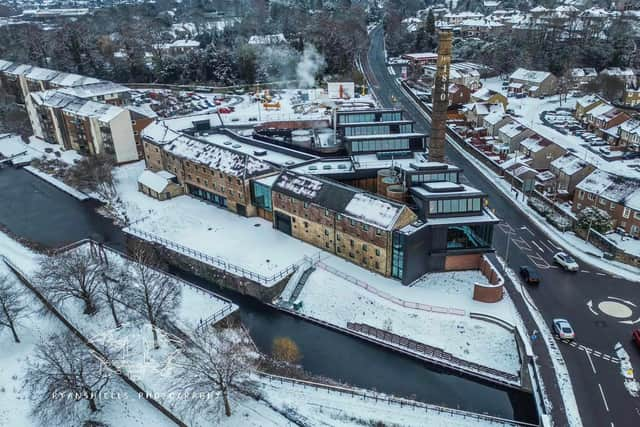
314,406
330,298
11,145
251,243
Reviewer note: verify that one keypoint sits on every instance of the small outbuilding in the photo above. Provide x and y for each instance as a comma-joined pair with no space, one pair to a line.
160,185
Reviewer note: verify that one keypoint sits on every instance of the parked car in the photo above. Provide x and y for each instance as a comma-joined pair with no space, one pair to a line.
566,261
563,328
635,335
529,275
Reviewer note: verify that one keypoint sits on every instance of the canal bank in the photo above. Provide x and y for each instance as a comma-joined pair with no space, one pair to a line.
37,211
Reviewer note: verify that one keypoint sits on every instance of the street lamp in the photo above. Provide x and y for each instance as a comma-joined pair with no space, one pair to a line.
508,234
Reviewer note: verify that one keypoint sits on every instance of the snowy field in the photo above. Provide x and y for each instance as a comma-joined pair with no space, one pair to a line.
251,243
11,145
335,300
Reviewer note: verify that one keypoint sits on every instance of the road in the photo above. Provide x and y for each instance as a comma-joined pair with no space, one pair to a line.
595,302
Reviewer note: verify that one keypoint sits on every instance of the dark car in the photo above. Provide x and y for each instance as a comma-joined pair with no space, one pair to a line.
529,275
636,337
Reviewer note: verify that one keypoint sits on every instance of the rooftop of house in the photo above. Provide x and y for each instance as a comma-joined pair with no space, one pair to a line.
484,94
614,188
588,100
569,164
70,79
495,117
156,181
41,74
513,129
631,126
349,201
5,64
77,106
420,56
535,143
267,39
530,76
434,190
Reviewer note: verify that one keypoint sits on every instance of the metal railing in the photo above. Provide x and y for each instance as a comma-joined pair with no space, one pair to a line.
389,297
391,400
215,260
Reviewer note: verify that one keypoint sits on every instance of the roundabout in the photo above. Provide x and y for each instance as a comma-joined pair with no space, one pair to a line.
622,310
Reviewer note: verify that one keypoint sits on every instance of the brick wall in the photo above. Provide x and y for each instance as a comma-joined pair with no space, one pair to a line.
462,262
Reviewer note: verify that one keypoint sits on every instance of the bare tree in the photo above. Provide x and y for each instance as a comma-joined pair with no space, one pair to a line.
113,289
63,373
12,305
73,274
153,294
94,173
219,360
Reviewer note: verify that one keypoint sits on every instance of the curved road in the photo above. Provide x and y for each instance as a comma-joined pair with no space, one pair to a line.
602,399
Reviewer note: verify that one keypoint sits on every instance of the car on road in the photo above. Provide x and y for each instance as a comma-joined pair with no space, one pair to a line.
566,261
636,337
563,328
529,275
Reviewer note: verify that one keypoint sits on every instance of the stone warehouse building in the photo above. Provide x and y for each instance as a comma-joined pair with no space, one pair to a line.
363,208
348,222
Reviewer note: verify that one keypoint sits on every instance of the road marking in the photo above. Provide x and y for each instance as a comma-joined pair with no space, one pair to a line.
597,353
601,274
593,368
537,246
521,244
524,227
539,262
585,271
603,398
553,244
587,350
622,300
546,246
506,227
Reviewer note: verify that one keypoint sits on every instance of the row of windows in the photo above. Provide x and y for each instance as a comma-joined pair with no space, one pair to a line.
390,116
380,145
435,177
377,130
455,205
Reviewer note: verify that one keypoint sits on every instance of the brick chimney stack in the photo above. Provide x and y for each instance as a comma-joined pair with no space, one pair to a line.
440,98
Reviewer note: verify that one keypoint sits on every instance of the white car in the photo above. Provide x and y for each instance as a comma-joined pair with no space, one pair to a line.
563,329
565,261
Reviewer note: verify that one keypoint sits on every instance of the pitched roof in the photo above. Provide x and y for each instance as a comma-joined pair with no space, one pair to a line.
530,76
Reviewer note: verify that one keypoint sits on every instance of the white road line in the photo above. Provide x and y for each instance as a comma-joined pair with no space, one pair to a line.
601,274
593,368
546,246
537,246
524,227
553,244
585,271
606,357
597,353
603,398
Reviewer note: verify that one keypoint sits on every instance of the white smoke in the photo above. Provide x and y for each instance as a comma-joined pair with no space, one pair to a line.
310,65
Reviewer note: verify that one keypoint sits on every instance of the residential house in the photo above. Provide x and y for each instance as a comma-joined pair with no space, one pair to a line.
533,83
512,133
540,150
458,94
481,28
586,104
179,47
569,171
267,40
629,135
494,121
616,195
603,117
627,75
581,77
421,59
489,96
476,112
631,97
461,73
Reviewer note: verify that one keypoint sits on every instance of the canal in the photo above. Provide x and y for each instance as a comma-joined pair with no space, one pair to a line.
35,210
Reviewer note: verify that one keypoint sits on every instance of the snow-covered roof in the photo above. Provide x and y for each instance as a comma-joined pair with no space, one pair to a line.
587,100
535,143
569,164
346,200
631,126
18,70
5,64
614,188
95,89
143,110
41,74
221,159
267,39
513,129
530,76
494,117
159,133
156,181
77,106
68,80
181,43
420,56
484,108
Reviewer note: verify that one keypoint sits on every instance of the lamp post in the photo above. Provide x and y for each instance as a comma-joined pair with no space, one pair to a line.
506,255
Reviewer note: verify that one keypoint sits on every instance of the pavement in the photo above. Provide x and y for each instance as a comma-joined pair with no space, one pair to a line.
602,308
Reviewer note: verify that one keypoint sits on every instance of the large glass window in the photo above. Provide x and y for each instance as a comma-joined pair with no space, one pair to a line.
262,196
469,236
380,145
448,206
397,259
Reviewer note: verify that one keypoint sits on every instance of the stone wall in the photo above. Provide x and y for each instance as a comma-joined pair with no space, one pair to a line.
210,273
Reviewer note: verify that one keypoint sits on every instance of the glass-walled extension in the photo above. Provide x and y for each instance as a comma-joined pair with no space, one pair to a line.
369,116
477,236
378,129
397,258
261,195
417,178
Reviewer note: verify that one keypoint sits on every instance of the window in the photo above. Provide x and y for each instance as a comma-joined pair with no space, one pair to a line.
326,232
305,205
338,237
364,248
326,245
581,195
377,252
351,255
351,242
326,212
377,265
352,222
339,249
378,232
591,196
636,215
365,227
602,201
339,217
625,212
306,224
